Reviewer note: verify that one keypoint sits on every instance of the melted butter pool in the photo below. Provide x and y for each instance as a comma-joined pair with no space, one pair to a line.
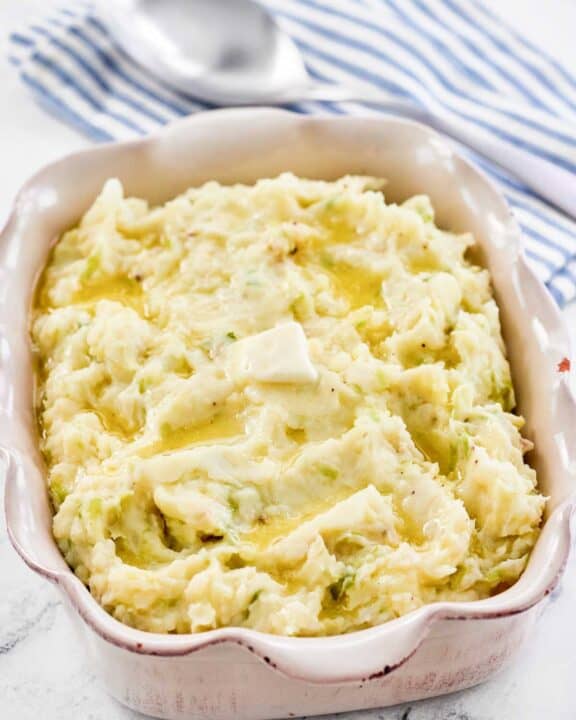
114,424
122,289
224,426
357,285
264,534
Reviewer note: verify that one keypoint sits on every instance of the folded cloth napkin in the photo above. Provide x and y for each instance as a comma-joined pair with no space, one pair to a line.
454,56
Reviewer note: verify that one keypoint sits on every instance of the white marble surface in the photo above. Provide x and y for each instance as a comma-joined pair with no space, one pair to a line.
44,674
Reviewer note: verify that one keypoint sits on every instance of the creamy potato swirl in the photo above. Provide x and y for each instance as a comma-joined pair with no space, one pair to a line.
371,467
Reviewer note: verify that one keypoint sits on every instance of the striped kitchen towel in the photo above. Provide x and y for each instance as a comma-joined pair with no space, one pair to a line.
453,56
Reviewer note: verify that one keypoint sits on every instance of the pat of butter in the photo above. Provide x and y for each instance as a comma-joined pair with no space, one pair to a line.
278,355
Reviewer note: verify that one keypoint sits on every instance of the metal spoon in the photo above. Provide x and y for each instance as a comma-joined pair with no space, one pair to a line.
231,52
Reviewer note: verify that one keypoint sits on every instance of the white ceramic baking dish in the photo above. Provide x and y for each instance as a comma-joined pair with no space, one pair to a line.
240,673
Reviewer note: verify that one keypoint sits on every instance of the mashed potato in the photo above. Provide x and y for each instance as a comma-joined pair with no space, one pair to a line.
285,407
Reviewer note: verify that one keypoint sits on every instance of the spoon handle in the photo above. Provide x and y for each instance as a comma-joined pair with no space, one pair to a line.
551,182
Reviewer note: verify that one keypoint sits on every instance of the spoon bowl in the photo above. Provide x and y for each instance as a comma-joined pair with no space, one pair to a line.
225,51
232,52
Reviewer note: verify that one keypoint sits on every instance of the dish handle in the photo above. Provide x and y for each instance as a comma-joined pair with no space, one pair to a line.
28,516
353,658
